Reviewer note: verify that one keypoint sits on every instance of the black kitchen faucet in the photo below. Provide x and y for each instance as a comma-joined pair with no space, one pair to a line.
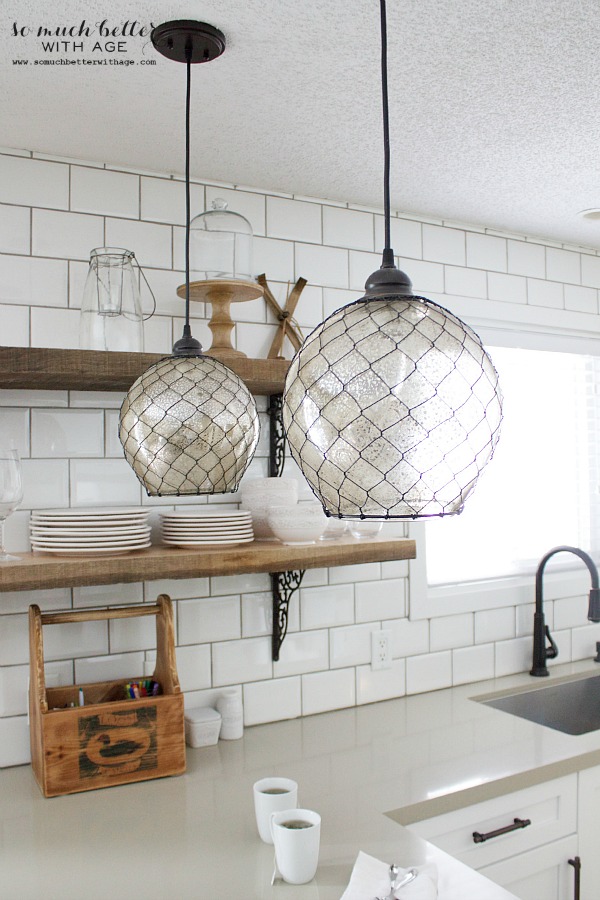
541,652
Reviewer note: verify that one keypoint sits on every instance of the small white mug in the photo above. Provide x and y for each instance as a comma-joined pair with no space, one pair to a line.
296,836
272,795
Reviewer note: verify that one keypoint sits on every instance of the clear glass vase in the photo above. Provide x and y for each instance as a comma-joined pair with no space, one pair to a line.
221,244
111,310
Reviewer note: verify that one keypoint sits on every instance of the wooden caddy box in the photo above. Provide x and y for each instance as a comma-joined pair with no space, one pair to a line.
109,740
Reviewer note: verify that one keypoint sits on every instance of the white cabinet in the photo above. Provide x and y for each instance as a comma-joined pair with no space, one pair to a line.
531,861
589,832
540,874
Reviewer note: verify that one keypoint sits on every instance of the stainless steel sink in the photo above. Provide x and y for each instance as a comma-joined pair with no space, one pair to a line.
572,707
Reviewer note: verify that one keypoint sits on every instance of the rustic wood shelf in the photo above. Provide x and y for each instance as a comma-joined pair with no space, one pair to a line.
42,368
34,572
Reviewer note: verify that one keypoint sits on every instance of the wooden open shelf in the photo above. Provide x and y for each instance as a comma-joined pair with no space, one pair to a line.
42,368
34,572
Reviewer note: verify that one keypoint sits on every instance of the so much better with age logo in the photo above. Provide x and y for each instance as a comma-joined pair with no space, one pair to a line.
102,43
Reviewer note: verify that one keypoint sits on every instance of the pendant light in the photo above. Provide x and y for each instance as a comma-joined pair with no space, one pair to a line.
188,425
391,406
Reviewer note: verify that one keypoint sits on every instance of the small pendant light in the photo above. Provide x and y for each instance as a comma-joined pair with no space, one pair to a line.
188,425
391,406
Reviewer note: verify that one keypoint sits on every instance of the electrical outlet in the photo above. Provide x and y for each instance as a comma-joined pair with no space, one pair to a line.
381,649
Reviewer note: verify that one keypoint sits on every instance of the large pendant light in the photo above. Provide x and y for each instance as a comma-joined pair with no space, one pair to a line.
188,425
392,406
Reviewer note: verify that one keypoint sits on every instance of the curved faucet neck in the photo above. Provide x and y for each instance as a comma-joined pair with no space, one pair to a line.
542,565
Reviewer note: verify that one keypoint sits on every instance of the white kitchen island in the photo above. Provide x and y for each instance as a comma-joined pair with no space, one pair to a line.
194,836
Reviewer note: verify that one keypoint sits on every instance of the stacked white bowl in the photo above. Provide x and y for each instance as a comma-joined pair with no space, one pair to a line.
258,494
302,524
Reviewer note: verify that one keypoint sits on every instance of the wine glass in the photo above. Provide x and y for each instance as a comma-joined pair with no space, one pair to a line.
11,492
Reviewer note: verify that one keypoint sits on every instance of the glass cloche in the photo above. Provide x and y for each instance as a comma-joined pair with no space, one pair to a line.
221,244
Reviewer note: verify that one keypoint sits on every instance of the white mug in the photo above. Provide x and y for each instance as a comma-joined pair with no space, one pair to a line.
272,795
296,835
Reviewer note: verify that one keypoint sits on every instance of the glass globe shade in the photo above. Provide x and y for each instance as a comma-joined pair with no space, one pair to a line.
189,425
392,409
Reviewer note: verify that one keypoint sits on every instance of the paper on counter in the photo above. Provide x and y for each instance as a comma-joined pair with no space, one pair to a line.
370,878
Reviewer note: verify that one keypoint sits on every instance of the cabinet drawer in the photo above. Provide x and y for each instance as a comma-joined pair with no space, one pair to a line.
551,807
542,872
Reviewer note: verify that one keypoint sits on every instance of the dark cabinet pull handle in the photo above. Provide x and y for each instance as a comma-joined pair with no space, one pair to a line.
479,838
576,863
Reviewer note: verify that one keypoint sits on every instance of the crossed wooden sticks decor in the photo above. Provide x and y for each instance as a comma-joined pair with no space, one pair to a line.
285,317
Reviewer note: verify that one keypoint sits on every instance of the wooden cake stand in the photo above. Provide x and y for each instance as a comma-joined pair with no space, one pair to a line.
221,293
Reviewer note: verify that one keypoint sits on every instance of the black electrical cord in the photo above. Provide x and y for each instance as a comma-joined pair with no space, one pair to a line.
188,57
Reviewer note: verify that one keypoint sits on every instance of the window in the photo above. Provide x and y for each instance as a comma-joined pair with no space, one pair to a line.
541,488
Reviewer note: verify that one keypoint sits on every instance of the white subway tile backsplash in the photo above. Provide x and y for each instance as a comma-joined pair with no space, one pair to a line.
15,230
18,601
335,298
465,282
193,667
45,483
235,662
239,584
303,651
473,664
26,280
513,656
350,646
380,600
14,741
14,327
563,265
177,589
65,235
103,482
132,634
409,638
486,252
271,701
77,639
495,625
163,200
545,293
428,673
325,266
16,532
571,612
321,607
150,242
581,299
209,619
406,237
349,574
362,264
109,668
526,259
108,595
14,428
55,328
294,220
105,192
425,276
348,228
30,182
444,245
67,432
14,682
590,270
448,632
507,288
328,690
384,684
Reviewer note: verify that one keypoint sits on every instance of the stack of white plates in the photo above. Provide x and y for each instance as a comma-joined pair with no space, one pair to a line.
210,526
95,531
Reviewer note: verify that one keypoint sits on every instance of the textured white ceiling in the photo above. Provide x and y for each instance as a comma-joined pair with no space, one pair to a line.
495,103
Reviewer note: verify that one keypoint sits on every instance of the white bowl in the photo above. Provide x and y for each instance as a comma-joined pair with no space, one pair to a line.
302,524
258,494
365,529
334,529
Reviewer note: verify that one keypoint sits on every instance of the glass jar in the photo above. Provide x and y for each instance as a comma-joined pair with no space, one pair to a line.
221,244
111,310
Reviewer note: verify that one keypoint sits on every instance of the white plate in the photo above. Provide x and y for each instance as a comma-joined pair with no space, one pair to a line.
80,545
209,514
104,551
90,512
203,543
40,531
216,529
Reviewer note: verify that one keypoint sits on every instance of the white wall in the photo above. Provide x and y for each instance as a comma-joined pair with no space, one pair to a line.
53,212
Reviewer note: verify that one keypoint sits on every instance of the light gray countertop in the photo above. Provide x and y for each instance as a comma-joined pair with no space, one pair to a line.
194,836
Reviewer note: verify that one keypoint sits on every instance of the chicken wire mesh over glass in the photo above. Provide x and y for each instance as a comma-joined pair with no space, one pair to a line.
189,425
392,409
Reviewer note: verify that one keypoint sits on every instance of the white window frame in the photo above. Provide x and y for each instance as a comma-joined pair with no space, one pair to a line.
536,329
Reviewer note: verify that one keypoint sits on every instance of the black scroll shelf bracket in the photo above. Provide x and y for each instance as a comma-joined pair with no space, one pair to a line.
283,584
